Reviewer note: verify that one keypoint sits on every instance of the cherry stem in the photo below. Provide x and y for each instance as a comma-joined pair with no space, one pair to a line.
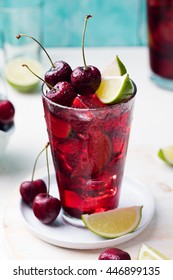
25,65
36,160
48,171
25,35
83,40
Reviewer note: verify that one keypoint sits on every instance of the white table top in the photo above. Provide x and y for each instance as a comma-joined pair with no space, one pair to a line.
151,129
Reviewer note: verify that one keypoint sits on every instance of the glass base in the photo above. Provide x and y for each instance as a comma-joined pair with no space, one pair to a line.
73,221
162,82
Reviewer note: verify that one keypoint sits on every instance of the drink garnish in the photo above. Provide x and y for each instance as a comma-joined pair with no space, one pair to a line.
148,253
114,223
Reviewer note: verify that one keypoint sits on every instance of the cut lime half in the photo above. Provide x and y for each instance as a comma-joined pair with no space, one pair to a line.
148,253
115,68
20,77
114,223
114,89
166,154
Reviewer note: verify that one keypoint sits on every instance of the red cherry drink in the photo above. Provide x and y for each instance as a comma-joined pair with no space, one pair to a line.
160,37
89,150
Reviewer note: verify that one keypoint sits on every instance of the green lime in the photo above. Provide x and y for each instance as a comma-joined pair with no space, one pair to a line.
148,253
115,68
166,155
114,223
114,89
20,77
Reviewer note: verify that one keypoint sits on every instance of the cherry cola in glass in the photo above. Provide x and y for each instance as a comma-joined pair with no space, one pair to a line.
89,149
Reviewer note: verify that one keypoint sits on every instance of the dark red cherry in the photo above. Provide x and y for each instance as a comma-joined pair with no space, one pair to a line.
60,72
63,93
46,208
114,254
29,190
86,80
7,111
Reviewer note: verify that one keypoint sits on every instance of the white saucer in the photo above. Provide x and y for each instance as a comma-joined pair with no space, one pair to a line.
62,234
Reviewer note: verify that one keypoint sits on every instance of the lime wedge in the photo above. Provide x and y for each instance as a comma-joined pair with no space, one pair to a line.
166,155
20,77
148,253
114,89
114,223
115,68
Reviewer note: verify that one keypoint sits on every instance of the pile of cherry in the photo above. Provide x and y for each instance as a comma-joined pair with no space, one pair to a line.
72,88
36,195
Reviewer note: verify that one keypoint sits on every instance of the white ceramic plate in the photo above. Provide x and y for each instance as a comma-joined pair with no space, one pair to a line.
61,233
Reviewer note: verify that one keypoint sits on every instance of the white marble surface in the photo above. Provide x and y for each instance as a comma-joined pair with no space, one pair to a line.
151,129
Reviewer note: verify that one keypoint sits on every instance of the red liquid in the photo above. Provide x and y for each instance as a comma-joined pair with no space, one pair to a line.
89,150
160,35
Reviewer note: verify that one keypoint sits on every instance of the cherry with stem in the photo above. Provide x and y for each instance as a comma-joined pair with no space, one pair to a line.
62,93
46,208
85,79
29,189
59,71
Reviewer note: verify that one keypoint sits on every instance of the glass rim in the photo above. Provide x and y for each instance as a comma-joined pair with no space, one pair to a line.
125,101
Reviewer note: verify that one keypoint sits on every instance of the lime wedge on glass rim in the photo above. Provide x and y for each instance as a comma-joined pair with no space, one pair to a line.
20,77
148,253
114,223
114,89
115,68
166,154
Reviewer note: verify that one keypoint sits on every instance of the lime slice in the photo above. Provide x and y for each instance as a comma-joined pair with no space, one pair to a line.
115,68
20,77
114,89
148,253
114,223
166,155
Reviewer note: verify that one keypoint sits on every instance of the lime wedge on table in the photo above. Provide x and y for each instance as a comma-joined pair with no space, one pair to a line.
115,68
20,77
114,89
166,155
114,223
148,253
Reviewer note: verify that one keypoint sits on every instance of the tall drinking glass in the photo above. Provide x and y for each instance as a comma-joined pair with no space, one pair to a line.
89,149
160,39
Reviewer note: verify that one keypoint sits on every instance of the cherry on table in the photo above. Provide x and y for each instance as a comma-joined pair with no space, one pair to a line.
114,254
7,112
